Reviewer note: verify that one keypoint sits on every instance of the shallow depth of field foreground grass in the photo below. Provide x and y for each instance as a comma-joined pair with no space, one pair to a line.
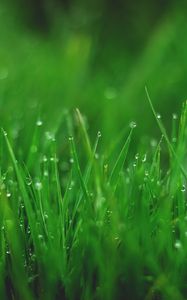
82,220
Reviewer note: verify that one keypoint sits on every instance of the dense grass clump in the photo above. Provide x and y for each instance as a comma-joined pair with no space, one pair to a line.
79,221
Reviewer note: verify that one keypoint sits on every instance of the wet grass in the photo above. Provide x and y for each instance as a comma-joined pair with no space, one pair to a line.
80,219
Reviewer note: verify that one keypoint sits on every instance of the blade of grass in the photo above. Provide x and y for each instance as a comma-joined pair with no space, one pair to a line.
114,177
163,131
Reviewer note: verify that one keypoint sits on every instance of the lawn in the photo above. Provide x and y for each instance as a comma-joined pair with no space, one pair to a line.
93,169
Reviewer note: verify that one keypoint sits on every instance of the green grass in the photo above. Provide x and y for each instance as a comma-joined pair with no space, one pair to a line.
79,221
93,206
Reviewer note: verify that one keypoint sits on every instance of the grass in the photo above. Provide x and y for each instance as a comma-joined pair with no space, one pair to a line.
90,207
79,221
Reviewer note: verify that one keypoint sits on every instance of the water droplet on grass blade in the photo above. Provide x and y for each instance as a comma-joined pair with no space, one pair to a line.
99,134
175,117
183,189
158,116
39,123
46,173
178,245
4,132
144,158
133,124
96,156
8,194
174,139
44,158
38,185
71,160
28,181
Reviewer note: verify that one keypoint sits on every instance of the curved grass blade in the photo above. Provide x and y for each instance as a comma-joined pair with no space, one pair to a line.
163,131
114,177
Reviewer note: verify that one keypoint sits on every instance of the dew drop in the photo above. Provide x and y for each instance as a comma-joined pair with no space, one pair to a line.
39,123
183,189
158,116
46,216
38,186
28,181
96,155
4,132
71,160
175,117
8,194
49,136
153,143
178,245
44,158
46,173
174,140
144,158
137,156
133,125
99,134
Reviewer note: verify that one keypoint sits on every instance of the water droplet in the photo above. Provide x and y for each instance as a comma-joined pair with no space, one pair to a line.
28,181
153,143
137,156
99,134
8,194
46,173
133,125
146,173
44,158
70,138
49,136
96,155
174,139
144,158
39,123
158,116
40,236
46,215
183,189
71,160
175,117
38,185
4,132
178,245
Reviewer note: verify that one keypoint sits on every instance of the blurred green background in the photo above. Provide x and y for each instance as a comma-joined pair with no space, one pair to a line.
94,55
